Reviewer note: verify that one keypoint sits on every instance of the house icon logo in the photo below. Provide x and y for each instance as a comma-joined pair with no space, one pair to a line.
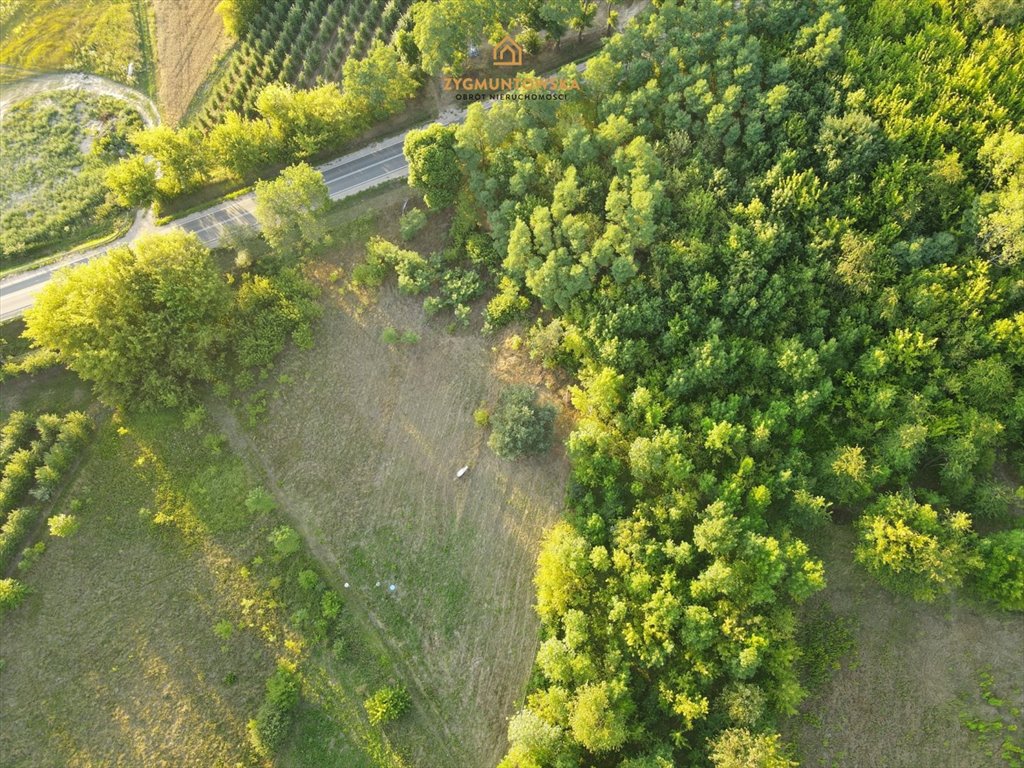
507,53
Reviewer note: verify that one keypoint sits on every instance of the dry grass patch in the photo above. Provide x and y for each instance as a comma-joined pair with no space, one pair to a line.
112,659
190,37
363,443
903,696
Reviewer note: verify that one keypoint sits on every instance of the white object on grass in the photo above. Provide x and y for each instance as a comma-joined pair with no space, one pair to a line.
461,472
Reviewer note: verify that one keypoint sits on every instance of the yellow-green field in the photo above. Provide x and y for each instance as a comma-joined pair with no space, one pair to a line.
99,36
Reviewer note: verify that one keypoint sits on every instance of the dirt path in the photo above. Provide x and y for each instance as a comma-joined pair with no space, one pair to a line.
11,93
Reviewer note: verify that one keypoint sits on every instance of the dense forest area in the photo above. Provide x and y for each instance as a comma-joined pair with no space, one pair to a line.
780,244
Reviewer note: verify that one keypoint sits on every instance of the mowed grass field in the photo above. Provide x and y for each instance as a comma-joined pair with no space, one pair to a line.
115,658
361,444
189,38
112,659
913,690
99,36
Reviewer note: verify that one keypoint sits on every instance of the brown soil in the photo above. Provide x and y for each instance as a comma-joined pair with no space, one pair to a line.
190,36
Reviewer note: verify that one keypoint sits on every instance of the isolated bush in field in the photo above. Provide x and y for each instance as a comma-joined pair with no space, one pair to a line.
63,526
410,337
389,336
285,540
224,629
521,426
387,704
482,417
269,728
414,272
259,502
308,580
1001,578
330,604
411,223
913,549
739,748
12,592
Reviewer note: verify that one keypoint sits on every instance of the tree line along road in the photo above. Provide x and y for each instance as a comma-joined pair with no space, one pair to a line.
345,176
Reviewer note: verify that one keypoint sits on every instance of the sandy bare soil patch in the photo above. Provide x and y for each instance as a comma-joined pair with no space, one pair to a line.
189,37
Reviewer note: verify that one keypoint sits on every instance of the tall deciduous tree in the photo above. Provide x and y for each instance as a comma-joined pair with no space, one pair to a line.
378,83
145,324
290,208
132,182
182,164
433,165
243,147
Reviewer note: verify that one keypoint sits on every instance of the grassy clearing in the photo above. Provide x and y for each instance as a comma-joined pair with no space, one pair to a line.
167,609
912,692
126,611
362,445
54,150
99,36
52,389
190,38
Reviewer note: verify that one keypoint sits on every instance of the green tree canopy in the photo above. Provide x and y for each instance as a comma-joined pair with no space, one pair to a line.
520,426
290,209
146,324
433,165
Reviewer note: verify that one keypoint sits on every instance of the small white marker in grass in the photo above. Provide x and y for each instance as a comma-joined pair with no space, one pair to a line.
392,588
461,472
346,585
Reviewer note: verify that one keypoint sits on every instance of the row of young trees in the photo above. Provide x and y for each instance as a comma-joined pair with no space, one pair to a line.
292,125
294,42
36,453
780,248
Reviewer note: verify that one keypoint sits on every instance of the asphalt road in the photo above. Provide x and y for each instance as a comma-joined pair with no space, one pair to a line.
345,176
